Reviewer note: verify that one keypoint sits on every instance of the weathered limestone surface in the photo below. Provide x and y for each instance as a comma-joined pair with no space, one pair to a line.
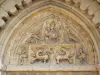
19,3
45,67
27,2
96,18
9,6
50,42
2,23
85,3
3,13
93,8
43,47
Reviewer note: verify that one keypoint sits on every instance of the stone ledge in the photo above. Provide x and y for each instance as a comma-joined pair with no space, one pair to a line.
51,68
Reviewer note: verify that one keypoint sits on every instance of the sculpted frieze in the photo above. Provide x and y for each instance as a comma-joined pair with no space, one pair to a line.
55,54
55,40
40,54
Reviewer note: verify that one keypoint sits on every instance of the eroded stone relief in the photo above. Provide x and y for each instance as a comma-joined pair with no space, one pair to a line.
54,39
55,54
57,39
51,54
23,55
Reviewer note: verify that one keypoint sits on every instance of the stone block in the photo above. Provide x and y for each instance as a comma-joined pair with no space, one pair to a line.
13,11
3,13
84,4
93,8
96,18
2,23
27,2
18,2
9,5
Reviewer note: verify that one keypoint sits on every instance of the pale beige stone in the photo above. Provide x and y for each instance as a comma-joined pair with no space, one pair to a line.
85,3
3,13
19,3
27,2
96,18
76,1
98,1
52,40
9,5
93,8
2,23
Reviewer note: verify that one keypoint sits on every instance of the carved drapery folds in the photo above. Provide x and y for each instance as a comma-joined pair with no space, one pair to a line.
52,39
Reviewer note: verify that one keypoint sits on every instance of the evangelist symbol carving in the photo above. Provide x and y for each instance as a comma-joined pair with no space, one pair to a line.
55,42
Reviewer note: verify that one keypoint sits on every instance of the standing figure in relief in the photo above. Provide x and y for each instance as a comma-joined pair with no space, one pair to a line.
23,56
82,56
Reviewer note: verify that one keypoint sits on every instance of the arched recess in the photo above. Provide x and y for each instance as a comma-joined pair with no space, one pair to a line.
82,35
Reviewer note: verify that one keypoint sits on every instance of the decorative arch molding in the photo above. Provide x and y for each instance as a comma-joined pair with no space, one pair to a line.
75,14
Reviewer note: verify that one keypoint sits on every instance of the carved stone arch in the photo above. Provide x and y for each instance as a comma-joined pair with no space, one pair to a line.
52,7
